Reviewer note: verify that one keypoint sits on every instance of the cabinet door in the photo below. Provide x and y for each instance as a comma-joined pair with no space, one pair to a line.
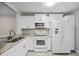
24,22
42,18
30,43
27,22
57,39
47,22
57,32
49,42
26,46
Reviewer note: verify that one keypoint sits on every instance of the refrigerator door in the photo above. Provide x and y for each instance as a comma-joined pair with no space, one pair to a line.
57,38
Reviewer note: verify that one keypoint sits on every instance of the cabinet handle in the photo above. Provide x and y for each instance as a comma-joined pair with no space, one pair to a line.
24,46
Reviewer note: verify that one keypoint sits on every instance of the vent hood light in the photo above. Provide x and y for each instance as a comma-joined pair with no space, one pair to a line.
49,4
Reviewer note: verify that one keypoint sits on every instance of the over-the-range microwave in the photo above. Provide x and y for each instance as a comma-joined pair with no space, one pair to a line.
39,25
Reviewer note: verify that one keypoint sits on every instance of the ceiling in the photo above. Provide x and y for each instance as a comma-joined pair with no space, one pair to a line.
25,7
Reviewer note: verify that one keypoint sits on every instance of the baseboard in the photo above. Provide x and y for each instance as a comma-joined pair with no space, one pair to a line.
40,50
30,50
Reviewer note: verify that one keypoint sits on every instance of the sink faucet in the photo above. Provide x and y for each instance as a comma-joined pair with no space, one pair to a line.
11,36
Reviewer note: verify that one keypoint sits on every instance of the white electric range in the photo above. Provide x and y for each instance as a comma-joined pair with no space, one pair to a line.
41,40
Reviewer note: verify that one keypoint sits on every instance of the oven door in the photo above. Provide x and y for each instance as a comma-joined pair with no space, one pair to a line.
40,42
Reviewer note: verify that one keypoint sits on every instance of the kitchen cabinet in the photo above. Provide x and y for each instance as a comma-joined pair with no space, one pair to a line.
20,49
42,18
27,22
49,43
30,43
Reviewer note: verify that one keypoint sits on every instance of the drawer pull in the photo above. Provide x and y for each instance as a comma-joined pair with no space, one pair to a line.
24,46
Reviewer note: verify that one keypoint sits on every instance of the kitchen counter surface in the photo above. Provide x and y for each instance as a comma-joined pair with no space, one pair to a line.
2,36
6,46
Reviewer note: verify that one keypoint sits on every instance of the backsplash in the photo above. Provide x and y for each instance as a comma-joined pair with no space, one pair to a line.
7,23
28,32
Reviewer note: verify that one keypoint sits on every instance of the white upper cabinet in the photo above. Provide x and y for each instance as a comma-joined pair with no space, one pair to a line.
27,22
42,18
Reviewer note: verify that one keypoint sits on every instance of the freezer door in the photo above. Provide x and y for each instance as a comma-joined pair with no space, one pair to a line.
57,38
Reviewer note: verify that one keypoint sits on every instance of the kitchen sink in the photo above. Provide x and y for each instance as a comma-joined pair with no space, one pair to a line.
14,39
11,40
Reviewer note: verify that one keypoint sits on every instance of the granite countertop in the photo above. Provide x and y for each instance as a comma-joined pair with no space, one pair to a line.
2,36
6,46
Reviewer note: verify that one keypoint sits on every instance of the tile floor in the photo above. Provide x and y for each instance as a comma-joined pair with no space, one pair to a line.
31,53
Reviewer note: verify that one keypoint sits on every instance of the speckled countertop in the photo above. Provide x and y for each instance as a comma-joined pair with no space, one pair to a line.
2,36
6,46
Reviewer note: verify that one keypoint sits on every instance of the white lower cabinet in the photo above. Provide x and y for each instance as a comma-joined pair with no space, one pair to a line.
30,43
20,49
49,43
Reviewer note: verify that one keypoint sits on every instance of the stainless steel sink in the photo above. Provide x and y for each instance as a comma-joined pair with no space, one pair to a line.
12,40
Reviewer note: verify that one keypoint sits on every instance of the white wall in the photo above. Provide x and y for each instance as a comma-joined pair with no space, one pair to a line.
77,29
7,19
18,16
6,24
